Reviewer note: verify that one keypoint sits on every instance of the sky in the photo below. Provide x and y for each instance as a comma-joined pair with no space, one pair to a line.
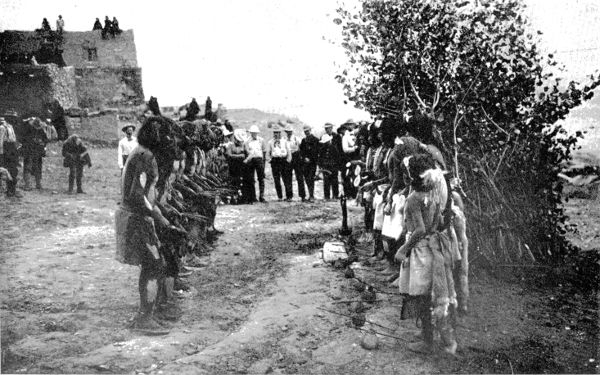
268,54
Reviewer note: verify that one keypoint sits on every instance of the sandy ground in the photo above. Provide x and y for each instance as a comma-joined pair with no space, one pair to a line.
262,303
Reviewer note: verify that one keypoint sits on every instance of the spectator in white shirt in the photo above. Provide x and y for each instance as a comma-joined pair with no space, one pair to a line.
297,163
351,152
126,145
256,150
280,157
60,25
349,144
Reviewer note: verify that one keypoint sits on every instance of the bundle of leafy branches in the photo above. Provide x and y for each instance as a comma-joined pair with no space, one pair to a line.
476,69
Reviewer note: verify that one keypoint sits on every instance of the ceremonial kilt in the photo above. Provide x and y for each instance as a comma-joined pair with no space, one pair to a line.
136,237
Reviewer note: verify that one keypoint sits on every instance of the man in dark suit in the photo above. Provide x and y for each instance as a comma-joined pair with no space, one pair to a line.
34,150
309,154
330,161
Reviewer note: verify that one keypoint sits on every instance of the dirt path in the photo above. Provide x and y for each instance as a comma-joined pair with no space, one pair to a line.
256,307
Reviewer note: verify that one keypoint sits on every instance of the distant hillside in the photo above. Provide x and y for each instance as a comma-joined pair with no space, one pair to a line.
243,118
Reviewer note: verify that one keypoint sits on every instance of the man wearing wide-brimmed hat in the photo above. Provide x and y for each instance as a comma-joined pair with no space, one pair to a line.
227,136
9,153
126,145
256,150
34,150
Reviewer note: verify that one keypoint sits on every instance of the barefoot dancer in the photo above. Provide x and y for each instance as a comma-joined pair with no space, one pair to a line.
427,256
137,219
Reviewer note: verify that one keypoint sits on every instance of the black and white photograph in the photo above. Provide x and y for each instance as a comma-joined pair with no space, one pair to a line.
300,187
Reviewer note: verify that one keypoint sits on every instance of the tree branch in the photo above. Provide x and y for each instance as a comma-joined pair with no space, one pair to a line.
470,87
493,122
436,96
457,119
421,102
405,96
500,162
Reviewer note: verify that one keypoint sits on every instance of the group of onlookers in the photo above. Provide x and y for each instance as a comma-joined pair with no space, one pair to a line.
291,156
26,140
111,28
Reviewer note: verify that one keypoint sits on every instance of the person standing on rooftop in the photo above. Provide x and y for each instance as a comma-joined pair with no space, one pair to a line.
60,24
97,25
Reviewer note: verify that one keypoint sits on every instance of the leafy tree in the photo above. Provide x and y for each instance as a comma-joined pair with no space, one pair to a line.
476,68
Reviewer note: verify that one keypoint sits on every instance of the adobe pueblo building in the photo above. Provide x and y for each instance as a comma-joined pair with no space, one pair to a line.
79,69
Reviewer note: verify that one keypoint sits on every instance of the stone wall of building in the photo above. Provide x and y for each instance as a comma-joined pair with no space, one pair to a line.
79,48
63,85
108,87
83,49
29,89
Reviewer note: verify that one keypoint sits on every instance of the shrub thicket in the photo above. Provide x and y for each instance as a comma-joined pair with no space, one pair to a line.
478,70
